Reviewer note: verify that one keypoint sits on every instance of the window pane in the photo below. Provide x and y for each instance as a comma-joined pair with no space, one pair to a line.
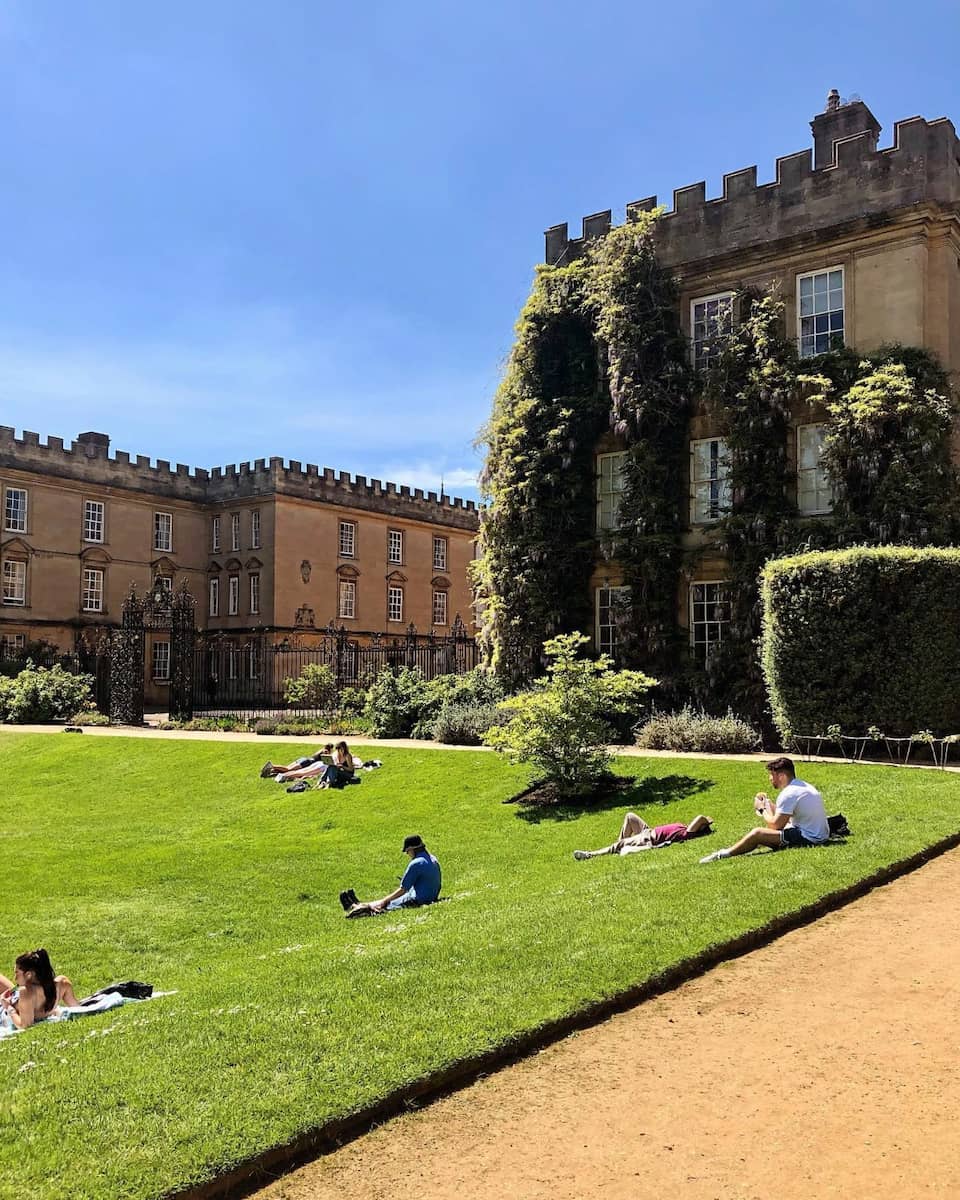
15,510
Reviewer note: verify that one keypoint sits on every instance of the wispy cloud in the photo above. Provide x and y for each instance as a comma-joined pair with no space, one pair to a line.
263,391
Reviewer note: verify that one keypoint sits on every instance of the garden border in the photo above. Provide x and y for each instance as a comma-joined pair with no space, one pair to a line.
264,1168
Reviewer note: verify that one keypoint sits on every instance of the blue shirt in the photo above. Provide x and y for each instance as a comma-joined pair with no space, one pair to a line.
422,877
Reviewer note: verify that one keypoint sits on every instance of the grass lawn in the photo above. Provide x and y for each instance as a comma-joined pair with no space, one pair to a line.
173,863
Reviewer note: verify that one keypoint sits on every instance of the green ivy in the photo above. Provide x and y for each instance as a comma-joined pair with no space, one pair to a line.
599,347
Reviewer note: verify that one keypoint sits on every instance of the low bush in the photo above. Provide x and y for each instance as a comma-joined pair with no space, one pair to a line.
228,723
40,694
693,729
465,724
89,716
404,704
314,687
863,637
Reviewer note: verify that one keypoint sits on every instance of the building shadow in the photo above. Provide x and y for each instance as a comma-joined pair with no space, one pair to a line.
630,794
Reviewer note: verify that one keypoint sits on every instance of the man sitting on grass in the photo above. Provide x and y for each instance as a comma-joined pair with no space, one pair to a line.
636,834
798,818
420,884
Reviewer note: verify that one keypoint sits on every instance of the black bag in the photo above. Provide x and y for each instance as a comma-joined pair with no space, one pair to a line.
132,990
838,826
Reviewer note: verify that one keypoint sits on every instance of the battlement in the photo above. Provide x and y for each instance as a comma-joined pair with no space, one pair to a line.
845,178
88,460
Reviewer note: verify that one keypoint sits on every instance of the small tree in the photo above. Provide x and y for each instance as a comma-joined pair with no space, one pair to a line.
314,687
560,726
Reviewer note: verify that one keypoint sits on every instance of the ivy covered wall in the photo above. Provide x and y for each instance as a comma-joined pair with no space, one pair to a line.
600,348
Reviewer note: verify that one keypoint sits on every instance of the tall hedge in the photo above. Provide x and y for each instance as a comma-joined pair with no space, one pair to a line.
863,637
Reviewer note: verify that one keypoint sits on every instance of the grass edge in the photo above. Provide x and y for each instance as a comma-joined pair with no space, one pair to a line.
266,1167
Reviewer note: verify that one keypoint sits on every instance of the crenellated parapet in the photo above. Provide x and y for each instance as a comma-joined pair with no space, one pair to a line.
88,460
846,179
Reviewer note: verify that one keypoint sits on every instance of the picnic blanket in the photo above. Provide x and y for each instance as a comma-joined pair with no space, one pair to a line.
103,1002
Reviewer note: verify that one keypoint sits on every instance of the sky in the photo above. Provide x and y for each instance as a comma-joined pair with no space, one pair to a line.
232,230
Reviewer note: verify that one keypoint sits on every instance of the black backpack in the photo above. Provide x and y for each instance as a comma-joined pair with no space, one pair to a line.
838,826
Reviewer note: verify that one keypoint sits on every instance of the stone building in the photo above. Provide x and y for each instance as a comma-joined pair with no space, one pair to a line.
862,246
264,548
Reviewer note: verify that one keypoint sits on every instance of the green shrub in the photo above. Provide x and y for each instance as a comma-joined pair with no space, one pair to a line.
314,687
40,694
465,724
624,700
560,727
351,701
404,704
693,729
864,637
227,723
89,716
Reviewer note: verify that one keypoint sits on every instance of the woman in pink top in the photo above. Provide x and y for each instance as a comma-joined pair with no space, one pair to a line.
636,834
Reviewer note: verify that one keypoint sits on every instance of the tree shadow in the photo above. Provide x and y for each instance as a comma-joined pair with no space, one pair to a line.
632,793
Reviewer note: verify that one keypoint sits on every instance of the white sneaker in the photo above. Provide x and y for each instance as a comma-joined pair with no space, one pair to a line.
715,856
580,855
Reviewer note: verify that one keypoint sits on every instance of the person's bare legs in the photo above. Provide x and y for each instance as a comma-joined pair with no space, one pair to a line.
317,768
749,841
632,827
65,992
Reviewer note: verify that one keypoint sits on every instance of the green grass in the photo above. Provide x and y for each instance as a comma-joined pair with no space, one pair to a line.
171,862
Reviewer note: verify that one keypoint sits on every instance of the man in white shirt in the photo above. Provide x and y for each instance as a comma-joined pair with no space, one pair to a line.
797,819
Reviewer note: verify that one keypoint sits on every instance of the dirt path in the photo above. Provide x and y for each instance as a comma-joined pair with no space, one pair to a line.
824,1065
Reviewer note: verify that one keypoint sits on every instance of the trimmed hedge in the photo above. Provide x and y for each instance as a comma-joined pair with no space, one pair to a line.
863,637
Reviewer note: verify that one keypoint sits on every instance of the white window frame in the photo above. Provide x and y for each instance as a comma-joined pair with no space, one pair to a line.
234,531
347,540
160,665
94,520
12,645
710,493
609,471
14,582
255,529
346,599
605,600
709,639
439,607
253,661
163,531
813,481
701,353
91,592
233,595
213,598
394,546
20,515
233,657
165,583
805,349
439,553
394,602
215,535
254,578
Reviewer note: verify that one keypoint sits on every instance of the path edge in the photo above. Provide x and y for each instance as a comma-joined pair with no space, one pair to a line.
262,1169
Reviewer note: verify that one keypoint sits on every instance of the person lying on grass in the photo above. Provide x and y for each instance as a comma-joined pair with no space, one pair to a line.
335,773
420,884
270,769
636,834
797,819
36,992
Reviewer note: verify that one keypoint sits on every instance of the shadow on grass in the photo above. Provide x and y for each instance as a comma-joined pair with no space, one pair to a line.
632,793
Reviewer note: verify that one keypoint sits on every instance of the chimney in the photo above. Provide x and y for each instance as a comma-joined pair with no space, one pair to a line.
840,121
95,445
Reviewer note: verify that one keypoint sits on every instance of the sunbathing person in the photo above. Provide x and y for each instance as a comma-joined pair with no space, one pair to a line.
420,884
270,769
339,770
36,991
636,834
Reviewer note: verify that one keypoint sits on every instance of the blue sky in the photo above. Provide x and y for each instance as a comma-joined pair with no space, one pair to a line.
241,229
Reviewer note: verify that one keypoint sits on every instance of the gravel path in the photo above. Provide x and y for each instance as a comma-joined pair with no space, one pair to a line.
823,1065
